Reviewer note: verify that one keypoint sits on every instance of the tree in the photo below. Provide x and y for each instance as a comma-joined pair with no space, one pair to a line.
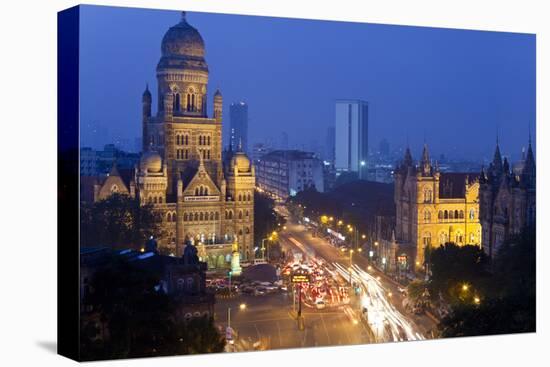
509,302
266,220
118,221
457,272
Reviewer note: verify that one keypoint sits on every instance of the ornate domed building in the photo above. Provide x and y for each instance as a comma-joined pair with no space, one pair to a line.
181,172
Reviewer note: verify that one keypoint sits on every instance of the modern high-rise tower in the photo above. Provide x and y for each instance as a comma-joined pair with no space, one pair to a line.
238,115
352,133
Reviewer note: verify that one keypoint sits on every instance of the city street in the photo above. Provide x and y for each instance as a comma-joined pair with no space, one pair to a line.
267,322
404,325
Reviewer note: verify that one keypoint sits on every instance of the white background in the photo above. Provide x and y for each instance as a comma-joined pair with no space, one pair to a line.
28,180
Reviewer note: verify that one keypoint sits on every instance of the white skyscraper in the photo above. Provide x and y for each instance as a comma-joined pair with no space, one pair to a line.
351,145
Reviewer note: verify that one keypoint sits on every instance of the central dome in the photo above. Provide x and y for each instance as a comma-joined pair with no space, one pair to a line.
183,40
151,162
241,161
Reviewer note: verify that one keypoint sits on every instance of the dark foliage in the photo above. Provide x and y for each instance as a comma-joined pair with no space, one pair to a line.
452,267
508,304
118,221
266,220
125,317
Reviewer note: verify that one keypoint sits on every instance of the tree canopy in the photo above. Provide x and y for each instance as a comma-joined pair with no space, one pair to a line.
118,221
507,297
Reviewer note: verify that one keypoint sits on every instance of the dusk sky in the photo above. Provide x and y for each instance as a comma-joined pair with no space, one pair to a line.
452,88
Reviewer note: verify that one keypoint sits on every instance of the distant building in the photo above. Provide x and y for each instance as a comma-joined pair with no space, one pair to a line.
330,144
433,207
238,116
258,151
99,162
283,173
284,145
507,199
352,136
88,162
384,148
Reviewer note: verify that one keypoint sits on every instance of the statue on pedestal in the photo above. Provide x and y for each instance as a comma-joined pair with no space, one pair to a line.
236,259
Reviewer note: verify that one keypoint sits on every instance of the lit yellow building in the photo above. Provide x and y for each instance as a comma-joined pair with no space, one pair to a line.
433,207
201,198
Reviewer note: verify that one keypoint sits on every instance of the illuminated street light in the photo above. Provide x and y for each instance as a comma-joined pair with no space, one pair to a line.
369,268
242,306
465,287
375,243
477,300
363,236
390,294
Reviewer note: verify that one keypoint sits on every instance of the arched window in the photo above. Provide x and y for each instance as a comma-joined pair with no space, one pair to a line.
459,238
188,102
155,200
231,214
201,217
200,139
445,215
472,214
427,239
206,191
248,197
247,230
211,215
160,199
196,216
201,191
185,217
456,214
169,217
217,215
443,238
226,215
240,214
196,191
240,197
193,107
246,213
451,214
427,196
440,215
461,214
177,102
240,232
208,140
427,216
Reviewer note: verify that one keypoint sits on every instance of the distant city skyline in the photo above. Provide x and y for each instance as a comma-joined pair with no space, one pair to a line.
450,88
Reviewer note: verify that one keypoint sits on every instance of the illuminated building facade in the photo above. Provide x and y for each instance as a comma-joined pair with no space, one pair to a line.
181,171
507,199
433,207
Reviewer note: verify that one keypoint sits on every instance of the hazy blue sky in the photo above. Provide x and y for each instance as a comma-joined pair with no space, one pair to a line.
453,87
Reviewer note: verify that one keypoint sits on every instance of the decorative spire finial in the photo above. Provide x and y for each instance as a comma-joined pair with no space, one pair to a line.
183,15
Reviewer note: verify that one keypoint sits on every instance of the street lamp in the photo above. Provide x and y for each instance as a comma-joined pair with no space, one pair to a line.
242,306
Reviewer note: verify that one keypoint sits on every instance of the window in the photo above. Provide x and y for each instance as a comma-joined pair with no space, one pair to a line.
177,102
443,238
461,214
201,216
427,195
185,217
240,214
451,214
445,215
427,216
472,214
427,239
440,215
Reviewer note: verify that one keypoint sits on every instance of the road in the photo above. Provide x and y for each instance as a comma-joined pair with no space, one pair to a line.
269,320
381,296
